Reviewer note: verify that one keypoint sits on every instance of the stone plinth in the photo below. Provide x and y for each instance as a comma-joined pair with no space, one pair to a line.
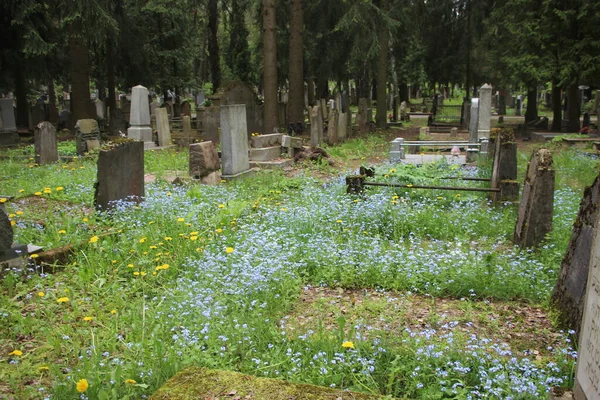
162,127
234,141
270,140
46,150
120,175
534,219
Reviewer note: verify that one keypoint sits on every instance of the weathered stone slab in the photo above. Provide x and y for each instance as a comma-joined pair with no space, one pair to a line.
485,111
204,159
273,139
332,127
265,153
120,175
234,140
587,377
569,293
162,127
201,383
316,126
291,142
85,129
534,220
7,115
214,178
46,150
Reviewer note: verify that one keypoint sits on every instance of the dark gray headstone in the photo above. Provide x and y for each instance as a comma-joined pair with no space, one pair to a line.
120,174
6,232
569,293
46,150
204,159
534,220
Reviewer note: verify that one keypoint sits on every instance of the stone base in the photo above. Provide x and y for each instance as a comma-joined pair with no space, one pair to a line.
272,164
141,133
249,172
9,139
265,153
13,258
273,139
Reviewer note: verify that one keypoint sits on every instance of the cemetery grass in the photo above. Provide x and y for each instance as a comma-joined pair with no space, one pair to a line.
399,292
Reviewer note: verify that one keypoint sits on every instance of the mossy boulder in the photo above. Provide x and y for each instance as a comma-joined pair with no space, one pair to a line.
201,383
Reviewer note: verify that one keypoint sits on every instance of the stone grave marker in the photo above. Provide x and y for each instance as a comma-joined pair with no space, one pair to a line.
569,292
332,127
587,376
292,145
46,150
453,132
534,220
139,118
8,125
234,141
186,126
485,111
397,150
100,108
205,163
87,135
342,127
316,126
162,127
120,175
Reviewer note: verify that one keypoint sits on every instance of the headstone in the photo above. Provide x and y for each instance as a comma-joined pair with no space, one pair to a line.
200,97
117,124
485,111
324,113
519,106
186,125
596,103
316,126
569,293
403,112
587,376
453,132
140,117
474,123
46,151
292,145
234,141
100,109
332,127
153,106
8,125
186,109
120,175
397,150
85,130
534,220
204,159
342,128
162,127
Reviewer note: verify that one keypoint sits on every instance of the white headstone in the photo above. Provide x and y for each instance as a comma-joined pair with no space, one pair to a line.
485,111
139,118
474,124
587,377
234,140
100,109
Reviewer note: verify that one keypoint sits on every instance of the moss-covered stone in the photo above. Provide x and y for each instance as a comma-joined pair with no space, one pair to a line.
201,383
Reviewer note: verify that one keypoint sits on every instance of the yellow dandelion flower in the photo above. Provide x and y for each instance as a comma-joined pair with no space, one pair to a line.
130,265
12,223
47,190
62,232
62,300
136,273
34,256
85,219
130,381
219,230
38,193
17,353
21,190
229,250
339,221
43,368
3,200
143,273
142,240
94,239
82,385
41,294
113,311
193,238
59,188
221,205
348,345
409,185
180,219
88,319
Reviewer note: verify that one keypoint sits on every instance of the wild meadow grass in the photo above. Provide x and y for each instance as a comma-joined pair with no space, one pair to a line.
208,276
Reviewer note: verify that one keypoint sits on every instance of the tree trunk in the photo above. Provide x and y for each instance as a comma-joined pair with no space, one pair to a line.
556,107
531,112
270,64
573,110
296,61
213,44
384,49
322,87
21,95
111,100
52,108
81,105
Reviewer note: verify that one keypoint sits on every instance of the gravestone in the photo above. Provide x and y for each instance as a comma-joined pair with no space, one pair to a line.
569,293
316,126
453,132
534,220
473,127
519,106
162,127
397,150
140,117
342,128
120,175
200,97
324,113
403,113
117,124
8,125
212,123
485,111
205,163
291,145
153,106
332,127
46,150
234,141
587,376
186,126
87,135
186,109
100,109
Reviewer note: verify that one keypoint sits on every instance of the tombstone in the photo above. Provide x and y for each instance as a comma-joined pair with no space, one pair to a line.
586,120
474,121
37,114
6,232
587,375
485,111
162,127
186,126
140,117
234,141
519,106
100,109
403,112
342,127
324,112
397,150
87,135
569,292
212,122
332,127
316,126
200,97
46,151
453,132
153,106
534,220
117,124
186,109
292,145
204,162
8,125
